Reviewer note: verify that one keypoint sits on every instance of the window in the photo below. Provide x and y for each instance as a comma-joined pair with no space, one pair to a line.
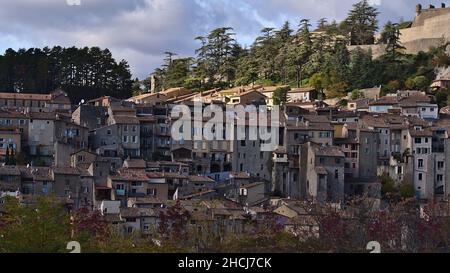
338,161
151,192
136,184
426,140
336,174
242,143
135,139
108,132
125,128
440,165
420,163
420,176
439,178
134,128
431,109
125,139
321,160
417,140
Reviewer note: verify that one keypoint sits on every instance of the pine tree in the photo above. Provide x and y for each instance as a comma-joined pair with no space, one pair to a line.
362,23
393,46
300,49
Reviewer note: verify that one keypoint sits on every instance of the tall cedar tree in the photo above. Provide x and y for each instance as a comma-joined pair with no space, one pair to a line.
362,23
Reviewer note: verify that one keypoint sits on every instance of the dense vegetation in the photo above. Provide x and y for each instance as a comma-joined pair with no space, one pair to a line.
303,56
47,227
84,73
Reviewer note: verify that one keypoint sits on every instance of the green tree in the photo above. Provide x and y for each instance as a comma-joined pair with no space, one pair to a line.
407,190
318,81
387,185
280,95
40,228
394,49
300,50
421,82
362,23
393,86
356,94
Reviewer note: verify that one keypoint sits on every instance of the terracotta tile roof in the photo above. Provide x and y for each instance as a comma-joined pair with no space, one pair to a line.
252,185
26,96
146,95
197,194
130,175
156,175
302,90
135,163
66,170
112,218
386,100
316,118
12,114
137,212
311,127
421,133
239,175
37,173
147,200
320,170
9,170
197,178
174,175
125,119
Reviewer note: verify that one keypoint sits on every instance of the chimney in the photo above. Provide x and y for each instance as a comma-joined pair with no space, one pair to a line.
443,5
431,6
418,9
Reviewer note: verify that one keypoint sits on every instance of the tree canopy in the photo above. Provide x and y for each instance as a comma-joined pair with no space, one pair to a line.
84,73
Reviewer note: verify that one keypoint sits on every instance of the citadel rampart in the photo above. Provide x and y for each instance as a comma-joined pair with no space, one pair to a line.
431,27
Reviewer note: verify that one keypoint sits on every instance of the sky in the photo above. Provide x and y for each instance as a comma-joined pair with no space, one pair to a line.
140,31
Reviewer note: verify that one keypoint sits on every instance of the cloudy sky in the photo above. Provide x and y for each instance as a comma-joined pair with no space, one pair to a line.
141,30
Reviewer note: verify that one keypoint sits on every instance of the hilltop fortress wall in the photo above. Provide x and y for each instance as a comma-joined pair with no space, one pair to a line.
430,28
